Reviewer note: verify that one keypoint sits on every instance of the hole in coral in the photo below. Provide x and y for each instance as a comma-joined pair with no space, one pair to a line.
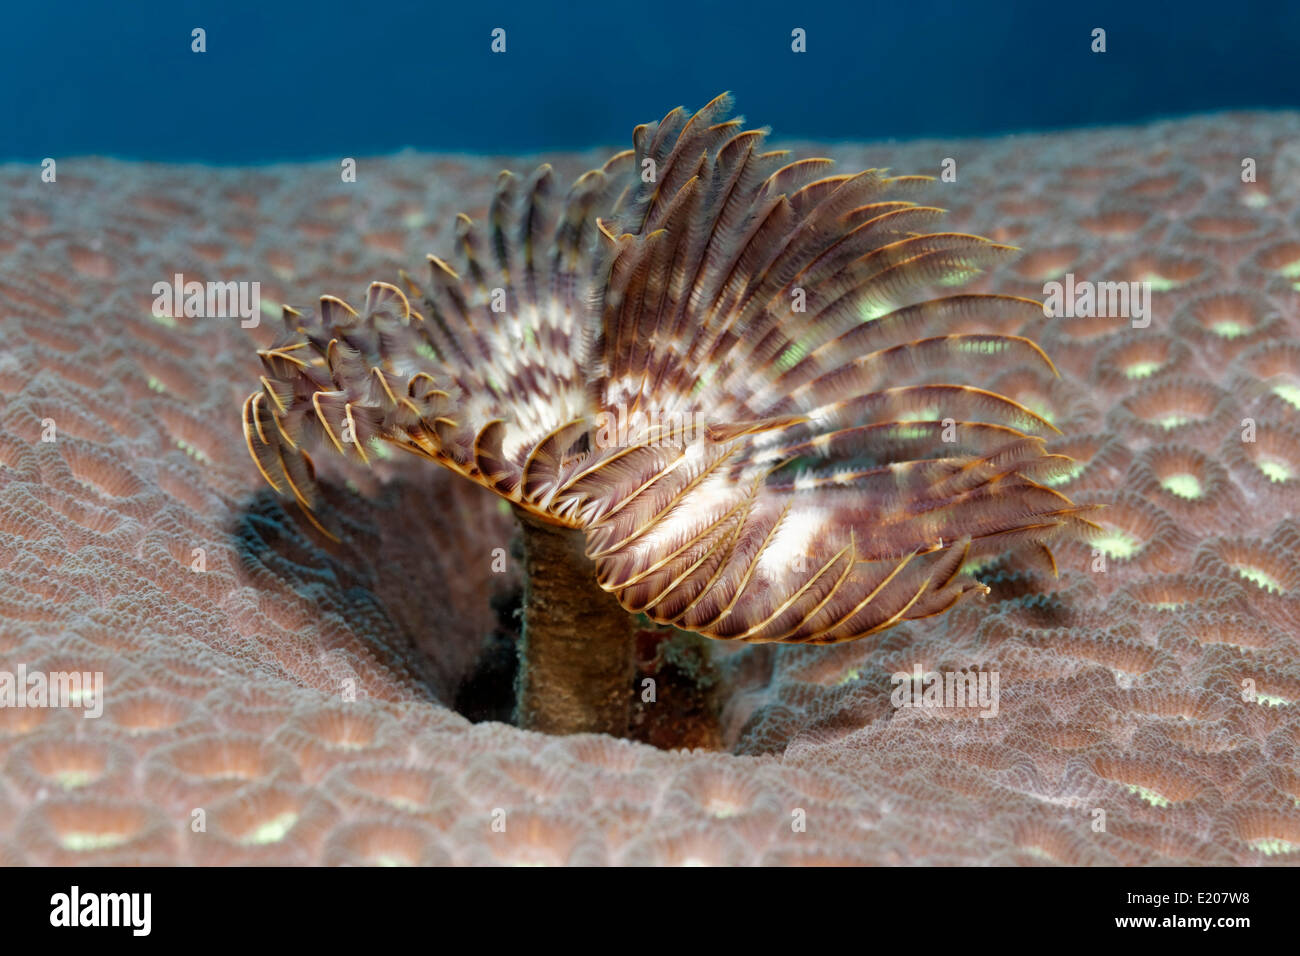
684,662
487,692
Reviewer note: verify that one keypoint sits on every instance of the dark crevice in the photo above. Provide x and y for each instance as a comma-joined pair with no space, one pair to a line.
487,692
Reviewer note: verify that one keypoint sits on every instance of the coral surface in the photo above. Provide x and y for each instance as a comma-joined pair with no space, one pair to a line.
273,697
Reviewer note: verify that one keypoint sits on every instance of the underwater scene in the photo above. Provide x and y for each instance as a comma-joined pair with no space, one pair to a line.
756,434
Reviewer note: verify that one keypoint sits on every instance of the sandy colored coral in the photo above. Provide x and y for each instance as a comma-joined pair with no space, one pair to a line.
1162,690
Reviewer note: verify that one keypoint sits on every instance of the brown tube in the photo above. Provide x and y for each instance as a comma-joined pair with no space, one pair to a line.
577,650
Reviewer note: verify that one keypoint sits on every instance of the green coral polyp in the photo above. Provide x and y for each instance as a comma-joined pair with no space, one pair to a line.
1184,485
1275,470
1260,578
1140,370
1150,796
1161,283
1041,409
1066,476
272,831
1288,392
1116,544
1271,700
72,779
193,452
1273,846
83,842
1228,329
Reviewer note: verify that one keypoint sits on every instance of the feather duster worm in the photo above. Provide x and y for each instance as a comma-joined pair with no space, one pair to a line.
711,381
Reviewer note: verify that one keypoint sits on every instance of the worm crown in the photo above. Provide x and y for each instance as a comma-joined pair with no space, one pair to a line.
727,367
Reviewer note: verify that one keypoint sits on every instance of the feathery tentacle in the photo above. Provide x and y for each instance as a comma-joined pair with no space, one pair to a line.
728,368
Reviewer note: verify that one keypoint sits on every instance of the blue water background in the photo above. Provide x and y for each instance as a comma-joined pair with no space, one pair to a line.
298,80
